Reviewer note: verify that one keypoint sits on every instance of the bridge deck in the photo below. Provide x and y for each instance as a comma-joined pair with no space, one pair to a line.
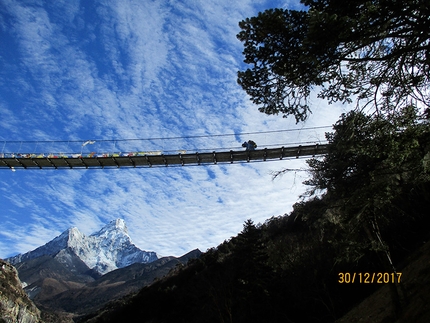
150,160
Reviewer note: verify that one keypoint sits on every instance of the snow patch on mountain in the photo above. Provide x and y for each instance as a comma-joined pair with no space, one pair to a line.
106,250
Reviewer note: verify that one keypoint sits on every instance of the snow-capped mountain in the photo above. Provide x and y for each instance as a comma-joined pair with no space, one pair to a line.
106,250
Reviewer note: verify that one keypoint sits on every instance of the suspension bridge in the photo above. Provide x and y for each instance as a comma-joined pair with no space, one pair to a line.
105,154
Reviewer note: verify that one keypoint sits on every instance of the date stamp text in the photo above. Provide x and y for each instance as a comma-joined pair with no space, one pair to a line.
369,278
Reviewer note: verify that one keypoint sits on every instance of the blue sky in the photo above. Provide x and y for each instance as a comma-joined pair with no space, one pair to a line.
137,69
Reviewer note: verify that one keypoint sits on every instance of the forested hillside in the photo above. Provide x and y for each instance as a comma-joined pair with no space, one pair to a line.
366,210
367,206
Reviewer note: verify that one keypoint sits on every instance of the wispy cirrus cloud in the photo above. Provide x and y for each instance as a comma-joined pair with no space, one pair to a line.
105,70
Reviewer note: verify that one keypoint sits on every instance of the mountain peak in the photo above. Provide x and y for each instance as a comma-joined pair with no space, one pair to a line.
117,225
74,234
106,250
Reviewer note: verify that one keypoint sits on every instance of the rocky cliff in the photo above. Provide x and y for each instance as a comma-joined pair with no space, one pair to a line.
15,306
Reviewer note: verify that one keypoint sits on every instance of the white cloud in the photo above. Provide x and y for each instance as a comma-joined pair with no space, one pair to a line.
137,69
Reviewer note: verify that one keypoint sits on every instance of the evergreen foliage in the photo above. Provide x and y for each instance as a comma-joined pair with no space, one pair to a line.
376,52
373,186
371,163
374,194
